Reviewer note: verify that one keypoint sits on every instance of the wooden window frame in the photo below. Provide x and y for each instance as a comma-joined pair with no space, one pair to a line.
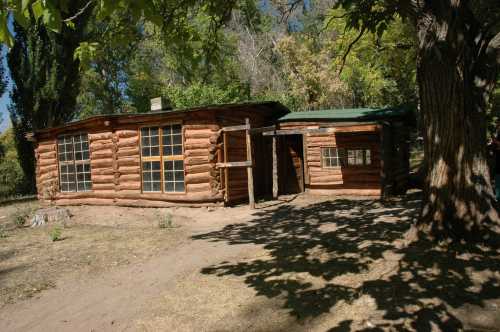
363,149
161,158
73,163
339,158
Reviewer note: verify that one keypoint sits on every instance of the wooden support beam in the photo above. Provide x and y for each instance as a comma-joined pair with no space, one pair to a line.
236,128
275,168
251,198
247,163
254,131
304,156
226,170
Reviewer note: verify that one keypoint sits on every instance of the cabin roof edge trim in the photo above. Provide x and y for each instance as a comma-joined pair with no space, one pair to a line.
350,114
277,110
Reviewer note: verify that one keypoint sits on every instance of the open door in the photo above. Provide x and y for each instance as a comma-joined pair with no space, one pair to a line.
290,164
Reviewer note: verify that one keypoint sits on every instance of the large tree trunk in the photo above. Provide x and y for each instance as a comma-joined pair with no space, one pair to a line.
455,79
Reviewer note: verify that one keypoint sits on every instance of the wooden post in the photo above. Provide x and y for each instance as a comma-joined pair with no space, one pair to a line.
304,159
275,168
251,199
226,170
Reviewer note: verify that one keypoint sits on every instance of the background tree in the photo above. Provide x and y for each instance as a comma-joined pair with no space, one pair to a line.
46,83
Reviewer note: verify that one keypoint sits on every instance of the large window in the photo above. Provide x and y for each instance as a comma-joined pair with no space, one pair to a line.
162,159
74,163
332,157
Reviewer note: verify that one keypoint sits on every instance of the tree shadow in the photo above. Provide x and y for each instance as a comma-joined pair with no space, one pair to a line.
341,250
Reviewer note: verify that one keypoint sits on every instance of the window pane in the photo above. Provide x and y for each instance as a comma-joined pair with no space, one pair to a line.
167,150
179,186
368,157
177,150
156,186
169,186
155,151
176,129
177,139
179,165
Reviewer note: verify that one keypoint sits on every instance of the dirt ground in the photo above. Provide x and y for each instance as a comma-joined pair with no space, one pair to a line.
303,263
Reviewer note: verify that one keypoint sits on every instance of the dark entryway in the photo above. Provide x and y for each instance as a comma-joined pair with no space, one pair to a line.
290,164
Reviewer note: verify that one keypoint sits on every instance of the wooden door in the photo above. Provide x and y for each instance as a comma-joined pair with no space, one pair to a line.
290,164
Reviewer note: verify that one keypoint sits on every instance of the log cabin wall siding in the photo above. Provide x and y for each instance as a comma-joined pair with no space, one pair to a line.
115,157
47,172
347,179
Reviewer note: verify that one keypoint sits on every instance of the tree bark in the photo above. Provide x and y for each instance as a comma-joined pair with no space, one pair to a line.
456,75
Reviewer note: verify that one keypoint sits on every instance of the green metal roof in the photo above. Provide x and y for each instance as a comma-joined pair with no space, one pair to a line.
348,114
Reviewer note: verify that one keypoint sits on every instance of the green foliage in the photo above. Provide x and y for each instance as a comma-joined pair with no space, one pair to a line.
46,82
199,94
55,233
11,174
166,221
3,233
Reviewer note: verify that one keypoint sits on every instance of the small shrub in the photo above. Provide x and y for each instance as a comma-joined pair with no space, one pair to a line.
21,215
55,233
3,234
166,221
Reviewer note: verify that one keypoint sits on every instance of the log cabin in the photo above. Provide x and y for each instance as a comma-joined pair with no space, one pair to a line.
221,155
362,151
196,156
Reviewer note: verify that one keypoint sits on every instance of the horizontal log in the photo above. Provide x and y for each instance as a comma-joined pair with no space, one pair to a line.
170,197
200,134
234,164
198,187
197,178
127,152
129,169
48,175
130,177
206,145
47,162
129,186
131,141
195,161
193,169
84,201
47,155
102,171
101,154
235,128
103,178
102,146
347,192
129,161
212,127
48,168
101,163
101,136
127,133
103,186
46,148
197,153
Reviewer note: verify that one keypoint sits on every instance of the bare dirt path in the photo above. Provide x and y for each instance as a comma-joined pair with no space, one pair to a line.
111,301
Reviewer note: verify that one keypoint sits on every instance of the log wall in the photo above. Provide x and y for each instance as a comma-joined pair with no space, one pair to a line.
116,161
348,180
47,169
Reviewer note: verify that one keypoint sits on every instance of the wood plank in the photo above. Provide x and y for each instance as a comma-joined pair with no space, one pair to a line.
235,164
275,169
236,128
251,197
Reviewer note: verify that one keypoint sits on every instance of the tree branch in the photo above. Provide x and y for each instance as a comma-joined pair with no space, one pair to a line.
80,12
344,57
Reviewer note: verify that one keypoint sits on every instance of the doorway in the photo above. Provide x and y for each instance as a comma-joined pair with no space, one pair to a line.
290,164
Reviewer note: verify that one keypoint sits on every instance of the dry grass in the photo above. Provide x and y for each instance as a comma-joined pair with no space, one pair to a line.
95,240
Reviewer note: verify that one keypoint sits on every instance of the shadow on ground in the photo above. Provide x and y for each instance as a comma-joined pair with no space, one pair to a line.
339,251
